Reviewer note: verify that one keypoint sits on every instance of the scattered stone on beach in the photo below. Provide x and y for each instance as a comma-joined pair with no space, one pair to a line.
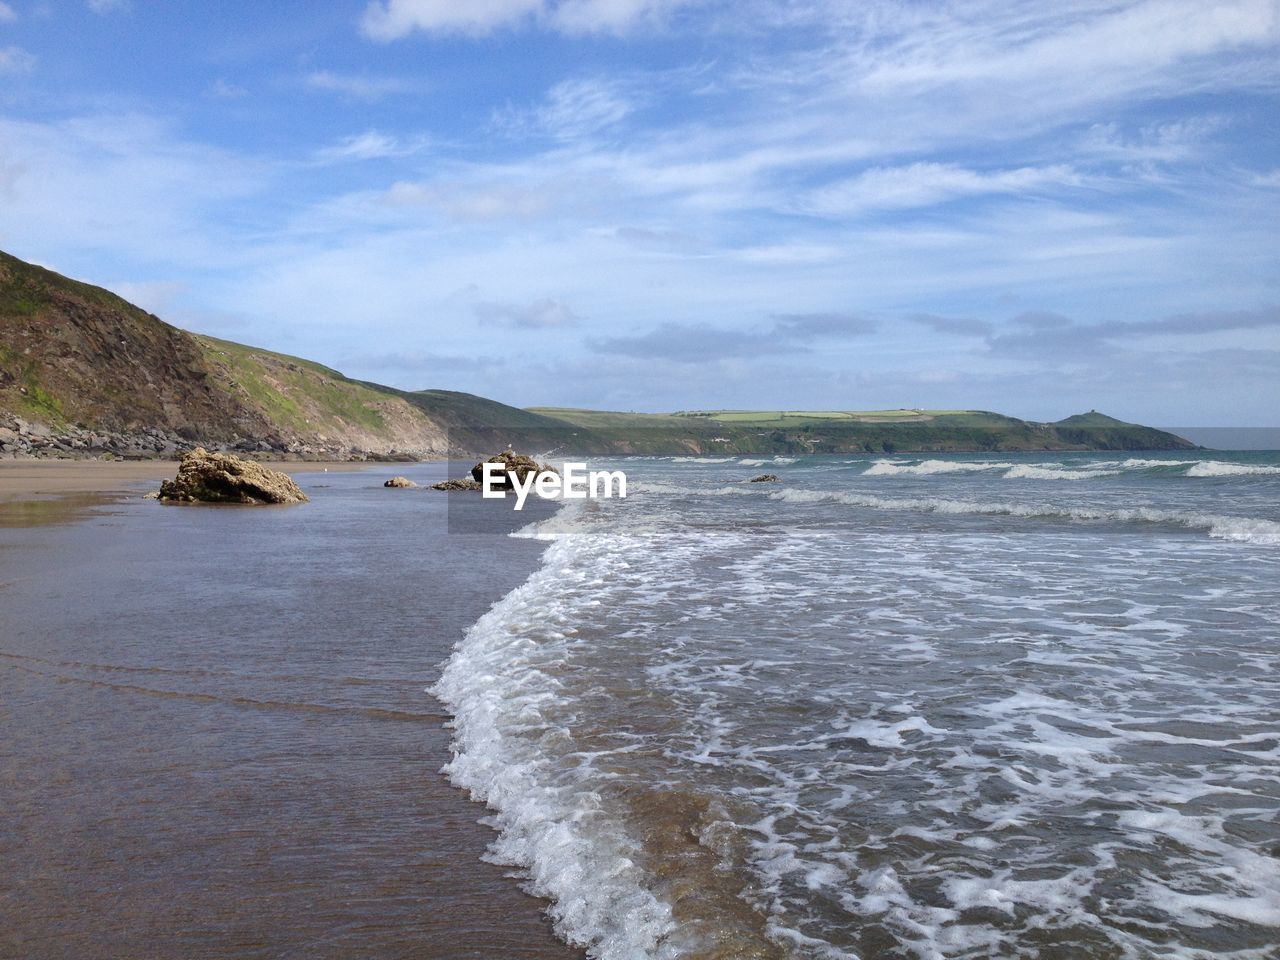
457,483
764,478
400,482
513,463
205,477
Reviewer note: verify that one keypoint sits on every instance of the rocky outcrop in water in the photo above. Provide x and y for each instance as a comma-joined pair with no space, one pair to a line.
403,482
457,483
205,477
517,464
764,478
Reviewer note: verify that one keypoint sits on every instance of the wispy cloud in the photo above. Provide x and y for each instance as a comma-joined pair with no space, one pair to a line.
16,60
104,7
812,326
7,13
571,109
926,184
370,145
956,326
540,315
1046,334
393,19
361,86
691,343
696,342
223,89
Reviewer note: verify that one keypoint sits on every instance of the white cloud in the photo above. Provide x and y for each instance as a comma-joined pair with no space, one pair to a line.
572,109
103,7
925,184
360,86
611,16
477,200
123,183
370,145
1157,142
7,13
16,60
222,89
539,315
392,19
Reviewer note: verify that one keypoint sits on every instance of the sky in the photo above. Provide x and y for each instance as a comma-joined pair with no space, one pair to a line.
1035,208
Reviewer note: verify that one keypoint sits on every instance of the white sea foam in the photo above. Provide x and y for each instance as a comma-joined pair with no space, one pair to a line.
1136,463
1001,721
1242,529
1218,468
498,688
893,468
1024,471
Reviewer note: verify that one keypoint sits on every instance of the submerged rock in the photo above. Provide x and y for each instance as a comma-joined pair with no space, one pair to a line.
512,463
457,483
400,482
764,478
205,477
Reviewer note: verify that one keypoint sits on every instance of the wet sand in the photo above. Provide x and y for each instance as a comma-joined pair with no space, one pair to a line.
214,735
29,479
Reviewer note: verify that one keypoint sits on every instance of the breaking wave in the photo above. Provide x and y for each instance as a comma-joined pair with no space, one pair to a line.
1216,468
498,685
1240,529
893,468
1025,471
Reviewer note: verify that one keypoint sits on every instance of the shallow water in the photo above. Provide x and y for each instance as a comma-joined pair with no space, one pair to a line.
215,738
895,707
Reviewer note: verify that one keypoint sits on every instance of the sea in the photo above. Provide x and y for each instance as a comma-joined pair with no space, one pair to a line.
892,706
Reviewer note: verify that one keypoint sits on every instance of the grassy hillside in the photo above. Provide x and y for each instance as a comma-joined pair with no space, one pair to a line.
868,431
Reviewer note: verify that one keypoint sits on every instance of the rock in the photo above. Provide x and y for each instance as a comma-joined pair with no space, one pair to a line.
153,495
512,462
457,483
400,482
205,477
764,478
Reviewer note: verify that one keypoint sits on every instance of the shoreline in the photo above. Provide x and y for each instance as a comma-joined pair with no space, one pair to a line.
35,478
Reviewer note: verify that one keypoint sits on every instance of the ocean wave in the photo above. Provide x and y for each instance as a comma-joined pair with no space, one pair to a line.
1218,468
779,461
701,459
1136,463
893,468
499,688
1240,529
1025,471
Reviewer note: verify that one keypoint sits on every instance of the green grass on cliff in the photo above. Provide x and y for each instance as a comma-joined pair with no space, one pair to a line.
297,394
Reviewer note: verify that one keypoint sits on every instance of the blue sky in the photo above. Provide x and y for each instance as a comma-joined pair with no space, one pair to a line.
674,204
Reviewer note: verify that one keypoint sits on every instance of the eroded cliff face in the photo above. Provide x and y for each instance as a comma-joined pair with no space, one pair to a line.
83,370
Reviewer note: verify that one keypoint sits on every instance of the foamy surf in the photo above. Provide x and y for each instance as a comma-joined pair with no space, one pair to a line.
737,720
1240,529
497,685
